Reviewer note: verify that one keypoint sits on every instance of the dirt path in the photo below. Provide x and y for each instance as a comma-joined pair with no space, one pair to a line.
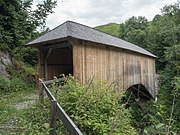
31,99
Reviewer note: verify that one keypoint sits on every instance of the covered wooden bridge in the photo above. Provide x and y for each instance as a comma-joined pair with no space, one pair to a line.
85,53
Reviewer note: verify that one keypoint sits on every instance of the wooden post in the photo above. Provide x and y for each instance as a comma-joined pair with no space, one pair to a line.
56,84
41,92
46,63
46,70
53,117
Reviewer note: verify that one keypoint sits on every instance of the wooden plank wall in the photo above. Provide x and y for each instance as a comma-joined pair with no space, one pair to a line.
112,64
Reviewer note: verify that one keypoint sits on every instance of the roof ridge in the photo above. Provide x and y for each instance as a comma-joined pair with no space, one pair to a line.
68,26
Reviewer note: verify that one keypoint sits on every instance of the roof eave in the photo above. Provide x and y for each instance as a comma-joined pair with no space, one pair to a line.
53,41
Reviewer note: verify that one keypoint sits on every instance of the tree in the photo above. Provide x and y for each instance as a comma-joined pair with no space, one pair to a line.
134,30
18,22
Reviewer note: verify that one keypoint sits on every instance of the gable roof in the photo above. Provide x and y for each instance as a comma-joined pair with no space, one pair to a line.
79,31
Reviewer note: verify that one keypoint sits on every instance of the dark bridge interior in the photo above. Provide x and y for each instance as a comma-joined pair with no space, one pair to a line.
60,62
140,92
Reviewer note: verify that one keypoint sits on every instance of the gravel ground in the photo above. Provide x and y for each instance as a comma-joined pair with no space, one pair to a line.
31,99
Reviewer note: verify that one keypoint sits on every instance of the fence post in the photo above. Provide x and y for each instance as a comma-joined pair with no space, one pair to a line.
41,91
53,117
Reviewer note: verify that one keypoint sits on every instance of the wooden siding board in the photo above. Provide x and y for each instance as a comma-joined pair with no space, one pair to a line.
139,69
121,69
125,70
76,61
142,67
83,66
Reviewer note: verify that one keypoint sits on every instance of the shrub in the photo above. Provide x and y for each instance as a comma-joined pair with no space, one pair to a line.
95,107
18,84
14,84
27,55
4,84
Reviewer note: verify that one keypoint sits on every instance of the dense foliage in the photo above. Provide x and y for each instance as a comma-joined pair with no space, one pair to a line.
20,79
95,107
19,23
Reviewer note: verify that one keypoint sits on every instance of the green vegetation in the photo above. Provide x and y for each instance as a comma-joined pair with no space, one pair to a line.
19,24
95,107
19,107
20,113
111,28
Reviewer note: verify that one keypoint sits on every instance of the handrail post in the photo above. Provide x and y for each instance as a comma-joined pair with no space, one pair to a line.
53,117
41,91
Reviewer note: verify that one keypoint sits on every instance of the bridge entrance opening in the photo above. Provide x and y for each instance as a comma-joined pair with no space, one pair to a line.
57,61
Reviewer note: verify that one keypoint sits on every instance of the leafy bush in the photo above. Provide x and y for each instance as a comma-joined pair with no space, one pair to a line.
22,69
36,119
18,84
4,84
95,107
27,55
13,85
161,117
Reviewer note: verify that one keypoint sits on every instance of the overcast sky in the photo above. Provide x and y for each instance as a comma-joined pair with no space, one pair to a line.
98,12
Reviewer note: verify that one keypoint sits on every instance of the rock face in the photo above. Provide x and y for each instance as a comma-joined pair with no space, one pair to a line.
5,61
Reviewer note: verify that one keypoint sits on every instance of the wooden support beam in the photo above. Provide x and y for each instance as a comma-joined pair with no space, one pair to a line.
55,80
53,117
41,91
45,70
46,64
139,86
141,92
57,46
48,53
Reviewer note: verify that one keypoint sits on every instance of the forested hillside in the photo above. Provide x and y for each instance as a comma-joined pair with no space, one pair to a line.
19,23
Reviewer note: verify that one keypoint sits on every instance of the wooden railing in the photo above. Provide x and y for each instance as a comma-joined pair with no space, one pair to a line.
57,109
